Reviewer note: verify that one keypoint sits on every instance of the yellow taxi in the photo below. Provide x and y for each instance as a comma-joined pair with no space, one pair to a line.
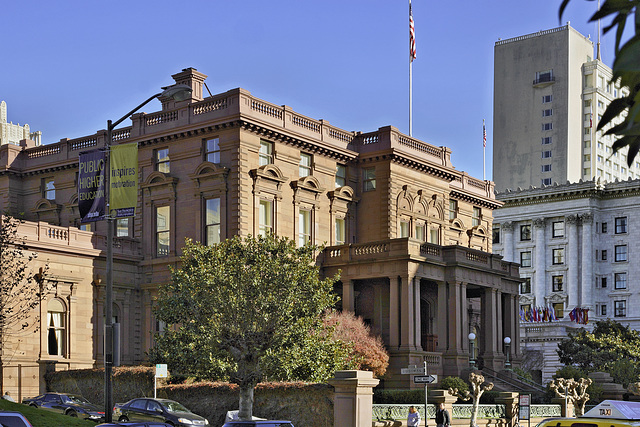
609,413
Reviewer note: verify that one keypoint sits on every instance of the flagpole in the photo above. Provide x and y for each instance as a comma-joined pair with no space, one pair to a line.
484,149
411,56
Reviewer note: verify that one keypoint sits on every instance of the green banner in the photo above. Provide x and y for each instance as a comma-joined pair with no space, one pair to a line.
123,180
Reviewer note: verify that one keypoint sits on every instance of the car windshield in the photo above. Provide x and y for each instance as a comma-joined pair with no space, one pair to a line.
70,398
174,406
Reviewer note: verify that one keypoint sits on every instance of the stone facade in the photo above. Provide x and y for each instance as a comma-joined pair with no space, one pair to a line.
550,92
13,134
409,232
575,244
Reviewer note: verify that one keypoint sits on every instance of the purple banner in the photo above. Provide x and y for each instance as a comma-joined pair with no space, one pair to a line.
91,186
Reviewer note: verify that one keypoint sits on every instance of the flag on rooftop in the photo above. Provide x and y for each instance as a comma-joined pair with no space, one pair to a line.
412,35
484,134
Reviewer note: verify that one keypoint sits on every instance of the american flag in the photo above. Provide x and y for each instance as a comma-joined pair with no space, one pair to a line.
412,36
484,135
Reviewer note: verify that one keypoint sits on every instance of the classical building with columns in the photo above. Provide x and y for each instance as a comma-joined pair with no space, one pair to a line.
407,232
574,244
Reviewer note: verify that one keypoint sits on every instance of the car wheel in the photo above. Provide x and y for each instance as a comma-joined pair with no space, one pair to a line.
33,405
72,414
123,419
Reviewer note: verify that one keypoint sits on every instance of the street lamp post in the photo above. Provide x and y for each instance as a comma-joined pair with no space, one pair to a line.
472,362
178,92
507,346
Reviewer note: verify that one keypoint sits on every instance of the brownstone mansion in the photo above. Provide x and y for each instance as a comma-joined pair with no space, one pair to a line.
410,234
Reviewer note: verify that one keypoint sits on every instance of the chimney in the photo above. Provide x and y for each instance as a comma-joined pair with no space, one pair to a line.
192,78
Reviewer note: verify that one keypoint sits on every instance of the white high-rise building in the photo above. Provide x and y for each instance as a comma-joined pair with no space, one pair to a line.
549,93
13,134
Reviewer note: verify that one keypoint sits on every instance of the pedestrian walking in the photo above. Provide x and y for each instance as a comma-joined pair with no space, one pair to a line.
414,417
442,416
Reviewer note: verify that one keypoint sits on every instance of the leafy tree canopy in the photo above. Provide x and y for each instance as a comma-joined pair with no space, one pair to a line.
626,68
247,311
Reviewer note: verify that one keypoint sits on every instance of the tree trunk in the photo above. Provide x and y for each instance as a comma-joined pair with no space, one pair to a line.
246,403
474,411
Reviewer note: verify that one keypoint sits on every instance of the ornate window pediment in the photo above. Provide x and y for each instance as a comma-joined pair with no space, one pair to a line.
269,172
345,193
309,183
209,173
157,182
526,299
557,297
48,211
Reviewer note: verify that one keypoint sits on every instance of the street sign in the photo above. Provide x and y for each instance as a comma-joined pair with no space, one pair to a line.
412,370
425,379
161,370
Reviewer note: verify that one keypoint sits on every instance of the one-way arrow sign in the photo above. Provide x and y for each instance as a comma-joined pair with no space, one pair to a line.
425,379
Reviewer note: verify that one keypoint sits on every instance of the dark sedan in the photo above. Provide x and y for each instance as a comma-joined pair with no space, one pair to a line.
262,423
157,410
68,404
134,425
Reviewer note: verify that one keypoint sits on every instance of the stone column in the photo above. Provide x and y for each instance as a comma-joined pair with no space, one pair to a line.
507,236
588,273
540,261
416,313
353,398
572,261
510,402
442,316
348,296
490,320
407,317
394,312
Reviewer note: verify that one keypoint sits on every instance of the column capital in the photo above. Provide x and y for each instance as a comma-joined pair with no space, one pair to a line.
539,222
586,218
507,226
572,219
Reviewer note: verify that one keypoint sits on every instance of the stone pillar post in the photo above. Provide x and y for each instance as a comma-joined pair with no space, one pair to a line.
540,261
572,261
510,402
507,235
586,284
489,337
407,332
394,312
348,296
353,398
442,396
566,407
416,313
442,318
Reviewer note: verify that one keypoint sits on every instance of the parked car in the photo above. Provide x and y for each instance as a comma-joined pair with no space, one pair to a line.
157,410
607,413
13,419
134,425
261,423
68,404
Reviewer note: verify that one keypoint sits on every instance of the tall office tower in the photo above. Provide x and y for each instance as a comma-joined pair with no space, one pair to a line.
549,93
13,134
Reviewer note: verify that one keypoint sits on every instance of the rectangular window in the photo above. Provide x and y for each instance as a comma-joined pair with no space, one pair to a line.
546,154
547,126
621,253
304,167
587,131
547,98
477,216
496,234
48,189
604,227
420,232
546,140
525,232
453,209
620,280
604,254
525,259
587,171
620,308
434,236
544,76
548,112
162,160
558,283
341,232
369,179
603,310
404,228
558,307
558,229
265,156
587,158
341,176
212,150
122,227
525,287
212,221
304,227
558,256
546,181
603,282
163,228
621,225
265,220
546,168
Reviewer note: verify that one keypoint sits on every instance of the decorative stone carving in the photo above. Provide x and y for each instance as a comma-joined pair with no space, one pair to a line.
571,219
586,218
507,226
539,222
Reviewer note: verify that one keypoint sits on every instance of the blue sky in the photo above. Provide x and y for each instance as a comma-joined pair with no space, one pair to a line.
68,66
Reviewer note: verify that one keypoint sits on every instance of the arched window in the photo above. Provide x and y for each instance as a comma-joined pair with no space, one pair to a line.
56,330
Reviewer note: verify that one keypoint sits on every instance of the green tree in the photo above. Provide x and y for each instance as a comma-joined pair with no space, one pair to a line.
626,67
248,311
21,289
599,350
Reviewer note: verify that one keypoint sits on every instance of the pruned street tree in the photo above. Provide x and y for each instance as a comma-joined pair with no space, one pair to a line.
478,387
246,311
21,289
575,391
626,69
